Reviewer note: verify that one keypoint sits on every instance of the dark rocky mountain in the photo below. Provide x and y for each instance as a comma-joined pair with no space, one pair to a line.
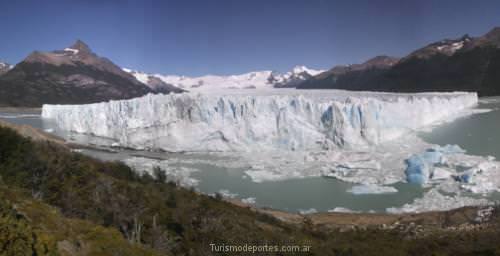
324,79
74,75
4,67
154,82
157,85
446,47
463,64
380,62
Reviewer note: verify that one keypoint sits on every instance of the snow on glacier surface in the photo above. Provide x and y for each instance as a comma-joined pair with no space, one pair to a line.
365,138
275,119
252,80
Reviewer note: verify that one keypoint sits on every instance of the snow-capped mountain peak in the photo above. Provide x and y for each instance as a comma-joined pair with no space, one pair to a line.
251,80
450,47
294,77
4,67
74,51
447,47
302,69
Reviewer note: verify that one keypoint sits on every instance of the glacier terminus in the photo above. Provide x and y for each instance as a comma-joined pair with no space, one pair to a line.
249,121
369,139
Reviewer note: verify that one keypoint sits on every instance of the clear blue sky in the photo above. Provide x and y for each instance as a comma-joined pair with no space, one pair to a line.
228,37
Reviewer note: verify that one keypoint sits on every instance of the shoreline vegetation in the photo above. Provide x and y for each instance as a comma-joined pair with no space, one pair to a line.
57,202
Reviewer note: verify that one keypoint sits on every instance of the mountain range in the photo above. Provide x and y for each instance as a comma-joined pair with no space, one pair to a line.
463,64
252,80
76,75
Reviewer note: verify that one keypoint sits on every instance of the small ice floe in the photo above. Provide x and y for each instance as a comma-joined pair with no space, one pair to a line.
227,194
433,200
308,211
482,178
259,176
371,189
342,210
484,214
276,171
249,200
115,145
50,130
441,173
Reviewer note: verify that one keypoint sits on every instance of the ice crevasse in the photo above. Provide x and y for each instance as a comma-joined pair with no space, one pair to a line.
247,122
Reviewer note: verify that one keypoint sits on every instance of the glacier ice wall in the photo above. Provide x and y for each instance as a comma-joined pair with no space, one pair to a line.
251,122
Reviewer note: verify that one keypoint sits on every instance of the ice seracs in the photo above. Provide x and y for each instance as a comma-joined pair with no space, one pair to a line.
292,121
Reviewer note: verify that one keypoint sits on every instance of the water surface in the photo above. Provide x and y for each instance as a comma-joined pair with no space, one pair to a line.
479,134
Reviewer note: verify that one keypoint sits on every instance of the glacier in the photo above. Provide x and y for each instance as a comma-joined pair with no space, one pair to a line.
368,139
244,122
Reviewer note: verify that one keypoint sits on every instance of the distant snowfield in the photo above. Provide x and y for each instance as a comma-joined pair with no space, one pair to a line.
358,137
251,80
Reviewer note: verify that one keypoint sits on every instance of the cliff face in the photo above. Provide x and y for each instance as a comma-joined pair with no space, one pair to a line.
246,122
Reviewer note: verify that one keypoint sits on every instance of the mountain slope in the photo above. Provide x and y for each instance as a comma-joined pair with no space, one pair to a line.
333,78
74,75
294,77
153,82
251,80
4,67
464,64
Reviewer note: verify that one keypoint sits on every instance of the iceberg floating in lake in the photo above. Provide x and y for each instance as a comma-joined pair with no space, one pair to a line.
418,170
421,167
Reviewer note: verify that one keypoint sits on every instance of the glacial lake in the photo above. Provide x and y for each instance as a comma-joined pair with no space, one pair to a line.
478,134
